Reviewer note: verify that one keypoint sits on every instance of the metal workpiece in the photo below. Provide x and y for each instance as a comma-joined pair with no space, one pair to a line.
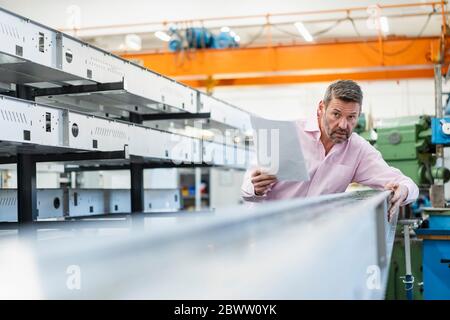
224,113
35,127
69,78
26,122
119,98
41,57
327,247
226,155
61,204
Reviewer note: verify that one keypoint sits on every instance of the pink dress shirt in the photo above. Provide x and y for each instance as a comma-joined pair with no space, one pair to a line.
355,160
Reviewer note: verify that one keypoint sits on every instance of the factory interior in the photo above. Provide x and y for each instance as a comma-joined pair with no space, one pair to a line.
134,161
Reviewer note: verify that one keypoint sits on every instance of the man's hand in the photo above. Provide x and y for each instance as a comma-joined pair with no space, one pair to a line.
262,181
400,194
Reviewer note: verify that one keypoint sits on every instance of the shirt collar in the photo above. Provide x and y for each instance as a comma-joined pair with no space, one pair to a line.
312,126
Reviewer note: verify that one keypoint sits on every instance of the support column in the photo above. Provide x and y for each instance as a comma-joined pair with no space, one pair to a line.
137,177
137,187
26,189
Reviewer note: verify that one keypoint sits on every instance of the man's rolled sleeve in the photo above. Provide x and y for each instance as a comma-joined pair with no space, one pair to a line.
374,172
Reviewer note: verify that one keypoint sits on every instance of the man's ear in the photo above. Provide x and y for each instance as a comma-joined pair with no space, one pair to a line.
320,109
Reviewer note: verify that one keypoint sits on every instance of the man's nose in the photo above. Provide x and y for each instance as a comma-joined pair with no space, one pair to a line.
343,123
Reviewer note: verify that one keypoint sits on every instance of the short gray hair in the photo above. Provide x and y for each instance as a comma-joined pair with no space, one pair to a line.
345,90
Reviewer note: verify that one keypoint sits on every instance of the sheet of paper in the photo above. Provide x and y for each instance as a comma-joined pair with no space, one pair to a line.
278,149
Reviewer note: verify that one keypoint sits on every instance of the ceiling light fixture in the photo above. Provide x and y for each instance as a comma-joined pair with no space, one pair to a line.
162,36
303,31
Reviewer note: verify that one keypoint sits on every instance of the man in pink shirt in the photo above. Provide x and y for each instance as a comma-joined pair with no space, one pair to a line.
334,155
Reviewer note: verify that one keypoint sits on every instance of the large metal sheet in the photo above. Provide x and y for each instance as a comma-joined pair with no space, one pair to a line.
324,247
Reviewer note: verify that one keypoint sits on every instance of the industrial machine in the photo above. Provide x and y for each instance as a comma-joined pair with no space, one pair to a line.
409,144
405,143
435,233
200,38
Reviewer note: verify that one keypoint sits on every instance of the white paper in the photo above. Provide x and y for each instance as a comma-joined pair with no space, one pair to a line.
278,149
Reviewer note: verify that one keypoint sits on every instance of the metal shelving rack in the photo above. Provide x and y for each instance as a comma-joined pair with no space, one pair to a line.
66,101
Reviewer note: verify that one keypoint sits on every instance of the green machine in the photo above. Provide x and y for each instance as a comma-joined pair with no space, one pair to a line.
361,129
405,144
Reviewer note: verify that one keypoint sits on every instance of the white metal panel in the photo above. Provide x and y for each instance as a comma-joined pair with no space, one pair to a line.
160,89
79,132
236,157
155,200
213,153
148,142
179,148
230,155
13,31
225,155
48,126
160,200
110,135
182,149
73,58
242,157
86,202
41,45
225,113
118,200
16,121
157,144
8,205
92,133
103,66
27,40
50,203
196,151
23,121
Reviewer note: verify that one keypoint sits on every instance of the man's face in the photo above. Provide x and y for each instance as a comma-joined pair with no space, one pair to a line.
338,119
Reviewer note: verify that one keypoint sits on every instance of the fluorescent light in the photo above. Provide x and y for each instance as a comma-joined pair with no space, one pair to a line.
225,29
162,36
304,32
133,42
384,24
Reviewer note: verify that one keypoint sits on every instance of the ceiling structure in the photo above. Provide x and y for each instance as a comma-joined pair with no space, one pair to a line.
348,39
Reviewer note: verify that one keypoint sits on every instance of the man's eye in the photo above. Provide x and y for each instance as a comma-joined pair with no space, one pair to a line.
336,114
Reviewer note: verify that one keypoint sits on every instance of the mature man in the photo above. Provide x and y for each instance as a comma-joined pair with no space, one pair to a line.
334,156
